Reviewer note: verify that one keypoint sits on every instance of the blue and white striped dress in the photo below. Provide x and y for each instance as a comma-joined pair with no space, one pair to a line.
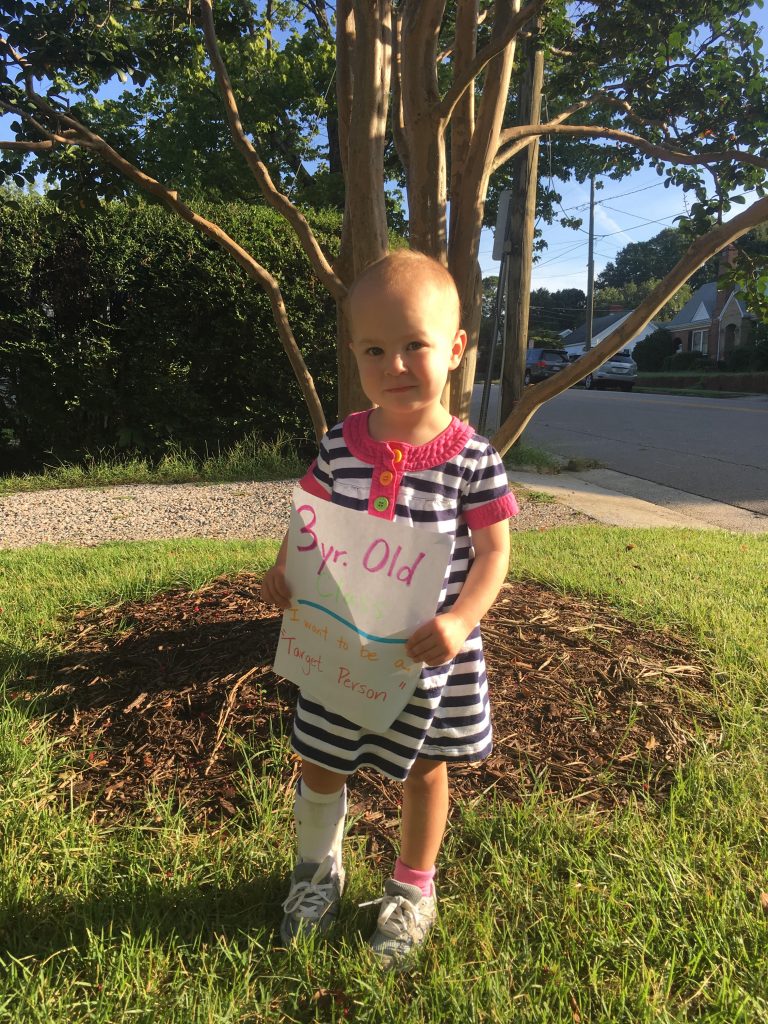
453,484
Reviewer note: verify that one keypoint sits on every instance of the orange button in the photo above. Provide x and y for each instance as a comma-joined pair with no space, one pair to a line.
397,455
386,477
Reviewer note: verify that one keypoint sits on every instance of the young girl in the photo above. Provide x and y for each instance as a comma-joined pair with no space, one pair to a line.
406,460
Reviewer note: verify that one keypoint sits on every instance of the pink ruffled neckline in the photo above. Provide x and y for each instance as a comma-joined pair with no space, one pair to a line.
415,456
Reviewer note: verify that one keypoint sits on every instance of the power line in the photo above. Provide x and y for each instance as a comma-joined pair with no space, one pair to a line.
619,195
562,255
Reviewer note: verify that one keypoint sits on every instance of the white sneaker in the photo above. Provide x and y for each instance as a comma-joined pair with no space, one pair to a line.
313,899
405,917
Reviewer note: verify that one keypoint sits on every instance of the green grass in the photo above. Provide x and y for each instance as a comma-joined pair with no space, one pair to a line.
693,392
525,455
537,497
249,459
548,913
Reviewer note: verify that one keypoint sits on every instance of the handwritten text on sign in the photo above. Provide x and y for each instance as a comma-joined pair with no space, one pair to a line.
360,587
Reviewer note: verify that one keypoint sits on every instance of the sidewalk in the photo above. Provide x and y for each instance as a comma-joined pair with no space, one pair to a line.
621,500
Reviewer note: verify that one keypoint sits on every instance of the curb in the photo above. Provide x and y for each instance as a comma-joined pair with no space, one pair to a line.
611,506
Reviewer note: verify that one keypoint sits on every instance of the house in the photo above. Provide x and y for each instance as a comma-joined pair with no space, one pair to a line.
714,321
602,326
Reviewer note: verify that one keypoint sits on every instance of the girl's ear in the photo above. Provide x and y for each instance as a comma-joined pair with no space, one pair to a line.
457,348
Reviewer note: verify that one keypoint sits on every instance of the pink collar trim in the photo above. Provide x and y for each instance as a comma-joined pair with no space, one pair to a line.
415,456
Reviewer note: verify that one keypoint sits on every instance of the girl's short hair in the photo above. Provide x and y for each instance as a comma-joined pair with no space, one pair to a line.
403,265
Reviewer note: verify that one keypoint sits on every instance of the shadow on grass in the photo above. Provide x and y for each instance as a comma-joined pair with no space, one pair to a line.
194,914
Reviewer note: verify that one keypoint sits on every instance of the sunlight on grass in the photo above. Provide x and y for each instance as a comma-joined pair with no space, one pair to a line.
524,455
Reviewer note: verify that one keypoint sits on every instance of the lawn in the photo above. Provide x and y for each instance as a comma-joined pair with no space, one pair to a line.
551,910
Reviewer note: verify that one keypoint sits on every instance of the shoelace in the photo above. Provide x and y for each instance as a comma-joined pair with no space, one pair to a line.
312,898
397,917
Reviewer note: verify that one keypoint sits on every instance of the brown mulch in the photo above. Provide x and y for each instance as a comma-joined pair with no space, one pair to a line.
586,704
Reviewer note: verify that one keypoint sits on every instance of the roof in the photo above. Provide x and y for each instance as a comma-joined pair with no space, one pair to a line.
699,308
599,324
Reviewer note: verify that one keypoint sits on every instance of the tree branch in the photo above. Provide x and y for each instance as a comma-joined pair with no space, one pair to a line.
345,46
504,155
673,156
463,121
28,147
488,52
697,254
52,138
398,125
444,54
276,199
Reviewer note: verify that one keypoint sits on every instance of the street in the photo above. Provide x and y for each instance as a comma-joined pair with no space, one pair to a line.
716,448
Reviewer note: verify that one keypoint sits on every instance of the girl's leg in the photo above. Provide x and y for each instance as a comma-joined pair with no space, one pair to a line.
320,807
425,813
317,881
408,908
320,779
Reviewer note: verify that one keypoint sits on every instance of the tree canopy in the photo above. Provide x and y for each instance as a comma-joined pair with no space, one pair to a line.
426,97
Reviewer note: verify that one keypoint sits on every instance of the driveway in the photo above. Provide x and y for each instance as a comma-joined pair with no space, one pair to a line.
714,448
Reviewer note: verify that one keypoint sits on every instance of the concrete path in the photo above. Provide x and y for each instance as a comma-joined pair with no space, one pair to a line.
703,459
621,500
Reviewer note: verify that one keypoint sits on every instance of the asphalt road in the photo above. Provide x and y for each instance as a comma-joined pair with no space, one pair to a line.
716,448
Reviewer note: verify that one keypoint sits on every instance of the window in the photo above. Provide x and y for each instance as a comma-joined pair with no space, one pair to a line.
699,341
730,338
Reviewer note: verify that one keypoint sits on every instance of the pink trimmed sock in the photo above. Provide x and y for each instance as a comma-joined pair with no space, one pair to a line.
410,876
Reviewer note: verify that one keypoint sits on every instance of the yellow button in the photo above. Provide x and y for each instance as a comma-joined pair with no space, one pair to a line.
397,455
386,477
381,504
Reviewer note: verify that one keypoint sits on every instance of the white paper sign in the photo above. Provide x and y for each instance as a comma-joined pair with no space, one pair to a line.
360,586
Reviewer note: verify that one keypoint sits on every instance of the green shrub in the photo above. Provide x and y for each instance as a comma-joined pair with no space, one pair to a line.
688,361
649,353
128,330
753,356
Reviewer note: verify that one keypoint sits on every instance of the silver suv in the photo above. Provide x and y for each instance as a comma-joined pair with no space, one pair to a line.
619,371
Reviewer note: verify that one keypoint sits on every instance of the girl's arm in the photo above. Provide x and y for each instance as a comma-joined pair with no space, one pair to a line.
440,639
274,586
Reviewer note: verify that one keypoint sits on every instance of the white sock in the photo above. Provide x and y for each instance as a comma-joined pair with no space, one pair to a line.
320,821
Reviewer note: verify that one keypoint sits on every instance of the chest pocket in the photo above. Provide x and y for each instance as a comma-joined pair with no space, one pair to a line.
350,494
434,511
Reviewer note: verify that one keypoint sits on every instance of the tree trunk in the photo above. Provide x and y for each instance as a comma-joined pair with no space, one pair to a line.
523,205
427,192
364,60
465,242
463,117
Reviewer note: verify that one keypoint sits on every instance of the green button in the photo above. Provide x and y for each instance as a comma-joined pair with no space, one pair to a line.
381,504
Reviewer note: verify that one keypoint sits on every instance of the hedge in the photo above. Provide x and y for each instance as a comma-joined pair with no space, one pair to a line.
126,329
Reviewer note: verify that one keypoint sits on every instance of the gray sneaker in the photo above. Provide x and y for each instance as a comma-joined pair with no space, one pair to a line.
313,899
405,917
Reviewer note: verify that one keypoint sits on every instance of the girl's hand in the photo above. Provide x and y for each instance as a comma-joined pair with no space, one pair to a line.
275,589
438,640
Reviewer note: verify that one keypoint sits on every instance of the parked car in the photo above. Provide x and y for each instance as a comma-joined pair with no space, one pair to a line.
541,363
619,371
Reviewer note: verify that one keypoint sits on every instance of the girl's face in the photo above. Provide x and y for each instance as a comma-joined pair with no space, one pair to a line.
405,342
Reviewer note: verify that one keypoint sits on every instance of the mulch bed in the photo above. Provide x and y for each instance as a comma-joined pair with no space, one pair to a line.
586,705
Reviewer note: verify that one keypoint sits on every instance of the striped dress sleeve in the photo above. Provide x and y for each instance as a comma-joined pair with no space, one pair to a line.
318,480
486,497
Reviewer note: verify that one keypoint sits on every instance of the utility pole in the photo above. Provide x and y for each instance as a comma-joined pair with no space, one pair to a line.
590,265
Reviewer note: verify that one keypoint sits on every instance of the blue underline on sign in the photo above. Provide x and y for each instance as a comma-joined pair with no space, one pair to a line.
368,636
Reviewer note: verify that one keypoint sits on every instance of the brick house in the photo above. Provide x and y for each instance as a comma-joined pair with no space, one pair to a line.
714,321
